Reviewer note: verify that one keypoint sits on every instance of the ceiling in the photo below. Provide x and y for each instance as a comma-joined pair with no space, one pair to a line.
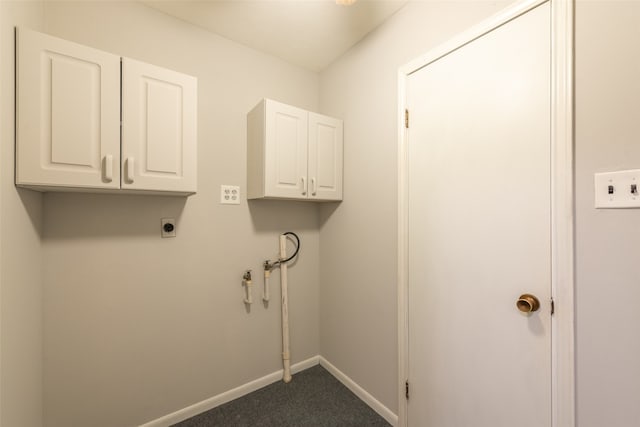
309,33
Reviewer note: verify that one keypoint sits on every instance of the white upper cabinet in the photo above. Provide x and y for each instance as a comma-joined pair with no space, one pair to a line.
158,128
293,154
285,157
86,123
325,157
68,114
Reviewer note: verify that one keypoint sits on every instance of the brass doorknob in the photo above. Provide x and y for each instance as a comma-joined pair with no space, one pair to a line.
528,303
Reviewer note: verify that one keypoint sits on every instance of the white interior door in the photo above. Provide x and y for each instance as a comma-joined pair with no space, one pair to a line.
479,231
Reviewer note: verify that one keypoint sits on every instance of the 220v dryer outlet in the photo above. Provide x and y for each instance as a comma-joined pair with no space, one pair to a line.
168,227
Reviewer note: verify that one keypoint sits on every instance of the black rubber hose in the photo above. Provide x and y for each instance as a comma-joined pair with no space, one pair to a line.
291,233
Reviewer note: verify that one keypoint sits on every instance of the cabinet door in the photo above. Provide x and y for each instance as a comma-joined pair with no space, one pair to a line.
285,153
159,128
325,157
68,114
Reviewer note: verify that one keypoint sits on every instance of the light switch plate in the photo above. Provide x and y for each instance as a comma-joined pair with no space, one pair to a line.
229,194
615,189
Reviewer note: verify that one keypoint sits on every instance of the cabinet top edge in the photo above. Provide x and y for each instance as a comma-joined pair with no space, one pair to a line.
20,31
272,102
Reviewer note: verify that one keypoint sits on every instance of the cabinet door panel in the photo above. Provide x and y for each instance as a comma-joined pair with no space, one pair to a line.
285,151
325,157
75,107
159,134
68,113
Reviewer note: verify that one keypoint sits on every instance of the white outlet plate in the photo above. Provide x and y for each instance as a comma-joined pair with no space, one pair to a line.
172,232
621,183
229,194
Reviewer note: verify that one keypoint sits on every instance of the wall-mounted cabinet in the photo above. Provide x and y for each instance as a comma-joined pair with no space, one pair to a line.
159,128
88,120
293,154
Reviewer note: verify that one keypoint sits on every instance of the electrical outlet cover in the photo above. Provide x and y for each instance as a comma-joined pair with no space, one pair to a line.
229,194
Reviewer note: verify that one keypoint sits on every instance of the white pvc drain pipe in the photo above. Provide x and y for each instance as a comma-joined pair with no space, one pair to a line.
286,360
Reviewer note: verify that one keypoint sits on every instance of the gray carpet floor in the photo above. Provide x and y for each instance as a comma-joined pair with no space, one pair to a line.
312,398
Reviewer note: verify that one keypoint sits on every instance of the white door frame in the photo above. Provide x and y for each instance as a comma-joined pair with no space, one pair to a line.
562,205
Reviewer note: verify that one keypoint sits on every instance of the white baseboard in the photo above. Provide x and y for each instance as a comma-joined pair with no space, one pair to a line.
382,410
228,396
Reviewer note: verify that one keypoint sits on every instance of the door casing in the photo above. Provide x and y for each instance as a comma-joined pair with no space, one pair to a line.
562,201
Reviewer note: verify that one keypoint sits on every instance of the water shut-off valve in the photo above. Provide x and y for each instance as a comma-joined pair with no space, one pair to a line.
268,266
246,279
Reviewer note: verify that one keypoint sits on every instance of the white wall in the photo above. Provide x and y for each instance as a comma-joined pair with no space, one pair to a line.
358,254
20,250
608,241
137,326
